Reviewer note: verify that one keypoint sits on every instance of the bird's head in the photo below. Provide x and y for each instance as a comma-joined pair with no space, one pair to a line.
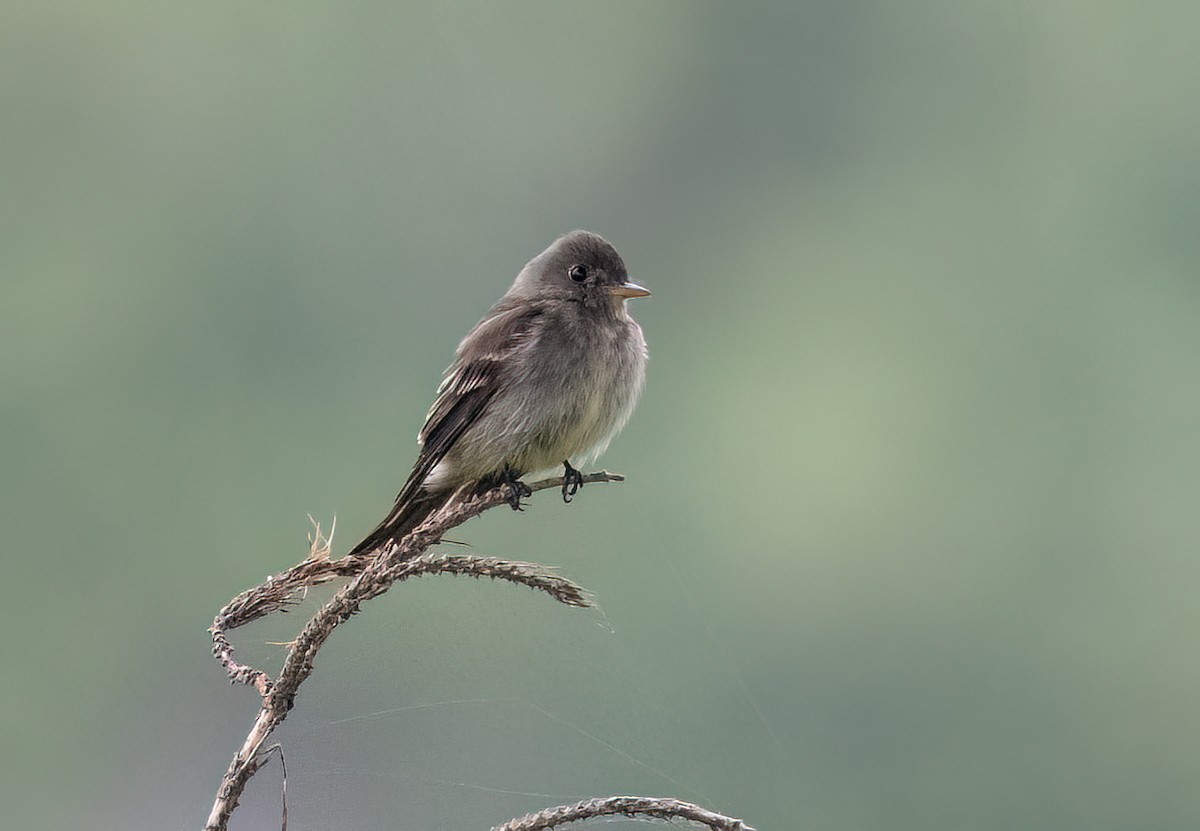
579,266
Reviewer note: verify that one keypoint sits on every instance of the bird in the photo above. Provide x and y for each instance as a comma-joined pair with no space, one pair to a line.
551,373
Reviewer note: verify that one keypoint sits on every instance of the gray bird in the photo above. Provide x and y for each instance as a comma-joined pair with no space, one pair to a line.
550,374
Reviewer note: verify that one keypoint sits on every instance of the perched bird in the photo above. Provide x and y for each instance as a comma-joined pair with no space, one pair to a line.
550,374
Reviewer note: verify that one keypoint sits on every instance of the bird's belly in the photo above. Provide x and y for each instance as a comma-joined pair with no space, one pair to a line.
539,427
548,416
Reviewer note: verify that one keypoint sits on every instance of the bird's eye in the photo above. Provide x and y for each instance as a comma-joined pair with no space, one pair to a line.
578,273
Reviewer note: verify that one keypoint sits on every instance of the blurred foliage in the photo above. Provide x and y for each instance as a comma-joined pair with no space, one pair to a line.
909,536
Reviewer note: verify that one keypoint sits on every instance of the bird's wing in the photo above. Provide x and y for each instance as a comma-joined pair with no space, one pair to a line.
484,364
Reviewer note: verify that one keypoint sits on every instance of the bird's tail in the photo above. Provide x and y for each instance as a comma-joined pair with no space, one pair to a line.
407,515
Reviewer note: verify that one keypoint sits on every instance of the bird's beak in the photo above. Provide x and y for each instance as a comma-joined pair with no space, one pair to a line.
628,290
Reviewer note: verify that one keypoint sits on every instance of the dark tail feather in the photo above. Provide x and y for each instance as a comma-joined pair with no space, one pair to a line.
403,518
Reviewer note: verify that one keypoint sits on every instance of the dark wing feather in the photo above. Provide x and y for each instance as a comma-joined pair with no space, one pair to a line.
471,382
462,399
482,367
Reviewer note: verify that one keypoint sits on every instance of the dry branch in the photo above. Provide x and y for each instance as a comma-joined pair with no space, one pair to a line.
287,588
370,575
629,806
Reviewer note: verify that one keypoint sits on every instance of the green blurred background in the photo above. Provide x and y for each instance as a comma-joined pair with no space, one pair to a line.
910,532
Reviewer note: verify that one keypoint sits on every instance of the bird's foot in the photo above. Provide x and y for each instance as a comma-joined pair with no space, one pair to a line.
572,481
517,490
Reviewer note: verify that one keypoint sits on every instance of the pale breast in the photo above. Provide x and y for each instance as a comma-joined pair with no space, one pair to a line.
573,391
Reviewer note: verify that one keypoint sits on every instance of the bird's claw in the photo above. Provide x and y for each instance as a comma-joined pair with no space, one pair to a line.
572,482
517,490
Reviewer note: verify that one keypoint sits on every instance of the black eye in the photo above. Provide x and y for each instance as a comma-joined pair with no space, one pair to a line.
578,273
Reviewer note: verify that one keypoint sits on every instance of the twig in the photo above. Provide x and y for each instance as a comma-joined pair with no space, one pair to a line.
629,806
287,588
372,574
